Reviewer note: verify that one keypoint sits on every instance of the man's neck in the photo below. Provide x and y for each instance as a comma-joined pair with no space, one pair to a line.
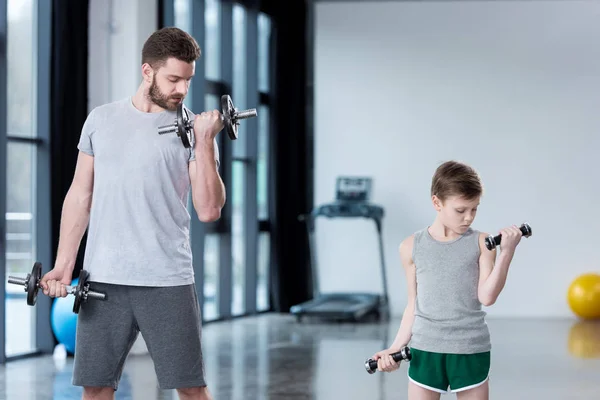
142,103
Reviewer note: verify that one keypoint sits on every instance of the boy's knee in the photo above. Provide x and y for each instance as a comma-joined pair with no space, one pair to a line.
98,393
194,393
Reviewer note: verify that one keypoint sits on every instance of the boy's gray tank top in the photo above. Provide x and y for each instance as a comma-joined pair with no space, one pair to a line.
448,314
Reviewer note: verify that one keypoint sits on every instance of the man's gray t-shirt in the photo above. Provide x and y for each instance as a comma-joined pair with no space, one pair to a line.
139,228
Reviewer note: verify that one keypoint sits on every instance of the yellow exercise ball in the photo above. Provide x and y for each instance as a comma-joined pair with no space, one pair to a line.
584,296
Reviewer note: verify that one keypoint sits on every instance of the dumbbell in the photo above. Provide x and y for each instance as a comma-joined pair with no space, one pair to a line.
184,127
492,241
403,355
81,292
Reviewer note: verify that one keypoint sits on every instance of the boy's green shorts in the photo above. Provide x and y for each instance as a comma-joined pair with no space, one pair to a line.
445,373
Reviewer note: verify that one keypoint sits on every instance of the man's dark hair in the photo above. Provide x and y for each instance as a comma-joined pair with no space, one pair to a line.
169,42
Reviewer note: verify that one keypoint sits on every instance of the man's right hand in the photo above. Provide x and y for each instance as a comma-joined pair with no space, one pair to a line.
53,283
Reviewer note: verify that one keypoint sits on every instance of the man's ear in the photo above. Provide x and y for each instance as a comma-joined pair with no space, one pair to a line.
147,73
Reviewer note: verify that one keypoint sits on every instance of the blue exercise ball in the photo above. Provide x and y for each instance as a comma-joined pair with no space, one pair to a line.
64,320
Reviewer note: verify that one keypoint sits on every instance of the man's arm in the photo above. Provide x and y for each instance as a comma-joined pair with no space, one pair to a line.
208,190
492,274
75,212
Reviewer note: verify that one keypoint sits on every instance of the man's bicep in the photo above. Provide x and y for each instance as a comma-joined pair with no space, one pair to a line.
83,179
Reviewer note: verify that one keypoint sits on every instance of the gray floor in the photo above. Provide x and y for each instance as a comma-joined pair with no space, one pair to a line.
273,357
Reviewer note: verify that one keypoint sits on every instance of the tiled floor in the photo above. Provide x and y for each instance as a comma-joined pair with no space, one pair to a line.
273,357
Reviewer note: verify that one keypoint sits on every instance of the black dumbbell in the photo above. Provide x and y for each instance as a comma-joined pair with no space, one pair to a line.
492,241
403,355
184,127
81,292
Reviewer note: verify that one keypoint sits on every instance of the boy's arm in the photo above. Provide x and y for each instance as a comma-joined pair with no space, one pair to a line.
405,331
492,272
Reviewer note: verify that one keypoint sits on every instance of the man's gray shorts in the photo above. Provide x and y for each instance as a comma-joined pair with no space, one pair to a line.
169,321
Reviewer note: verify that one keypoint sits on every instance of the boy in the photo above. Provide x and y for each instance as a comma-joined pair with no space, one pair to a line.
450,274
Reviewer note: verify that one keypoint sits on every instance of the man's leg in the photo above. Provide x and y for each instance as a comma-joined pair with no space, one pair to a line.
169,321
106,331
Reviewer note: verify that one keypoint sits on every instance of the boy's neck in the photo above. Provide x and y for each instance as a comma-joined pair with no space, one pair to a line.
441,232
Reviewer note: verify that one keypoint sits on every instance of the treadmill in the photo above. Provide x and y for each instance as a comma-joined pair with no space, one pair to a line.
352,201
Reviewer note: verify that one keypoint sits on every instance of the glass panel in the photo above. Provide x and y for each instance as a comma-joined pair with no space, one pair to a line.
183,10
264,36
262,173
239,73
262,282
211,277
211,253
212,44
20,247
21,79
238,245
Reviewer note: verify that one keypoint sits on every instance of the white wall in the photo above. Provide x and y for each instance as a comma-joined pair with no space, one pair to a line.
512,88
118,30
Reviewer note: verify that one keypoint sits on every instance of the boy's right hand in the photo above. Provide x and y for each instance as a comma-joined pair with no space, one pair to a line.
53,283
385,362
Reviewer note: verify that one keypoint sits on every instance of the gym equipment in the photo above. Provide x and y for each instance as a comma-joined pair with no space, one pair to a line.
63,321
583,296
81,291
492,241
352,201
184,127
403,355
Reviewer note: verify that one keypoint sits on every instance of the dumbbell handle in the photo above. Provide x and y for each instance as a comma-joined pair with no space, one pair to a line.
402,355
70,289
493,241
190,124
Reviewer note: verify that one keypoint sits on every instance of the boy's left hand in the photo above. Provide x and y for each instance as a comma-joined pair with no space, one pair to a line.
511,237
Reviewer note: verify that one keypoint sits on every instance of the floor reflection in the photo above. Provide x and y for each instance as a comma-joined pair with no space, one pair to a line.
274,357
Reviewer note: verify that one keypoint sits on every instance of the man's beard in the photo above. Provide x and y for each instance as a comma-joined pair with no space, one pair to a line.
161,100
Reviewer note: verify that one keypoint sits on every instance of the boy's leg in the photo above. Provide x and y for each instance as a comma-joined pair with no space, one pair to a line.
416,392
481,392
106,332
469,375
170,323
426,375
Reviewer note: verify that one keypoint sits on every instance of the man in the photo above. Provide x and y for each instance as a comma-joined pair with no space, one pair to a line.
131,186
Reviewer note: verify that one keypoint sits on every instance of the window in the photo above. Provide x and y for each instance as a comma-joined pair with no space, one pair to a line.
236,255
21,166
262,173
212,46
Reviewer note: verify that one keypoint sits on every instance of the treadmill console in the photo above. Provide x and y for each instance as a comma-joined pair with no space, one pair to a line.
353,188
349,210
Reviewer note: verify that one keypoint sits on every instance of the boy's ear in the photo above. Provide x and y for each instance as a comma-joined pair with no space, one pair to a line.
437,203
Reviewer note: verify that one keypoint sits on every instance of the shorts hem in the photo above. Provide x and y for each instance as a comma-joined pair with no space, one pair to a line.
183,385
462,389
104,384
425,386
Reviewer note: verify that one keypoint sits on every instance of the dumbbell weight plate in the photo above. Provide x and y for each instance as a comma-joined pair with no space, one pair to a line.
182,129
228,110
83,278
33,280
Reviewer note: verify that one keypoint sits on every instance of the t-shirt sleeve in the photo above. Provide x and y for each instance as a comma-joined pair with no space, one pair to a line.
85,140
